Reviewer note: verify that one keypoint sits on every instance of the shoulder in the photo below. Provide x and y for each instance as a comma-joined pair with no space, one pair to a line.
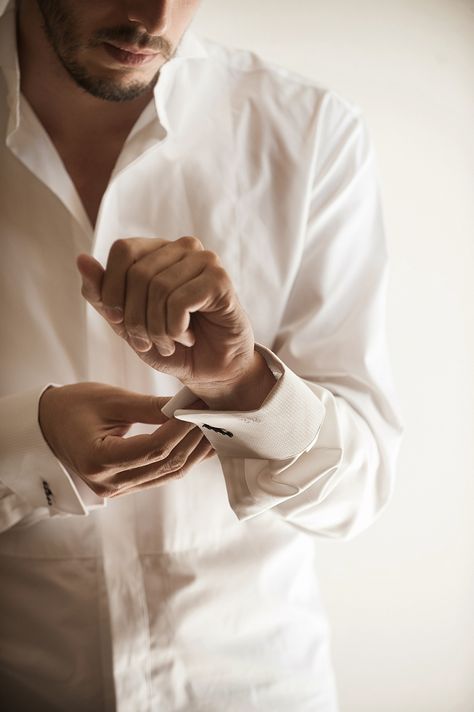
274,89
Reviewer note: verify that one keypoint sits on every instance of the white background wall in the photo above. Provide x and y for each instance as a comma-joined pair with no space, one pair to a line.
401,595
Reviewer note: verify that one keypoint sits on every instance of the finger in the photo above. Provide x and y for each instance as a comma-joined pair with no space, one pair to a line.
92,274
123,254
202,452
138,279
199,454
128,407
136,292
175,461
210,291
161,287
115,451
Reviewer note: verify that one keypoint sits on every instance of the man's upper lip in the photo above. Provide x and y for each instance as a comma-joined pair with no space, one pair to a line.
131,48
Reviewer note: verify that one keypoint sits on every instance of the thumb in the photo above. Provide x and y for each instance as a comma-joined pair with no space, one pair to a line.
92,274
140,408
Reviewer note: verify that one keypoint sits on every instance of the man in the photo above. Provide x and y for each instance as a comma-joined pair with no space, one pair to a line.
224,217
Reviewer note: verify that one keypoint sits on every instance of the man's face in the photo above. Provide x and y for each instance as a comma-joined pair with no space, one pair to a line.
114,49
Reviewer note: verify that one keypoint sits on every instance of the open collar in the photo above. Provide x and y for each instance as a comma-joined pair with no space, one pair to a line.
189,48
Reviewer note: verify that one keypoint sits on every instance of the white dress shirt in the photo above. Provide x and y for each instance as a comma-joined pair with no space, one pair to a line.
201,594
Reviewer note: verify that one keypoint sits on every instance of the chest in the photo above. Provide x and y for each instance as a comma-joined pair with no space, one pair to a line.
249,213
89,167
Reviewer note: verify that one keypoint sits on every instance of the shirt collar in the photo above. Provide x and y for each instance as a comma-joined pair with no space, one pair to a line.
9,62
189,48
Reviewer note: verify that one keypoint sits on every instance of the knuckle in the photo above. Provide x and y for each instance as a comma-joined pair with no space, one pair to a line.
122,249
159,454
190,243
218,273
211,258
175,463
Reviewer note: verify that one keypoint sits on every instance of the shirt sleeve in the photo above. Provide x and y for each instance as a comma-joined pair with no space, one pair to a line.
32,479
321,452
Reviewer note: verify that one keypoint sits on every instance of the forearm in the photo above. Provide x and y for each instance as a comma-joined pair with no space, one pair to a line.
307,454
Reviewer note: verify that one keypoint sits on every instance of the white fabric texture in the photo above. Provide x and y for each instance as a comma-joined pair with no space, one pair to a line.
202,594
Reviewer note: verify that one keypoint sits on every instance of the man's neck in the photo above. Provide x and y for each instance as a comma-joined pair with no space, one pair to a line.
88,133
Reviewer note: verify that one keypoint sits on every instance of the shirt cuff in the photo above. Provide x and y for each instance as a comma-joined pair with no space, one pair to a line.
31,469
286,425
279,432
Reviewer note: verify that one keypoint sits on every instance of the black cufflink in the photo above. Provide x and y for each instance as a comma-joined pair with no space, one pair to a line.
48,493
219,430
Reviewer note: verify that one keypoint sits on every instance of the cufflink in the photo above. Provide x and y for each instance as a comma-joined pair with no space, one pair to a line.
48,493
219,430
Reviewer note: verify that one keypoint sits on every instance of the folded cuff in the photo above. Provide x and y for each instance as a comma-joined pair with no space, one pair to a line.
286,424
29,467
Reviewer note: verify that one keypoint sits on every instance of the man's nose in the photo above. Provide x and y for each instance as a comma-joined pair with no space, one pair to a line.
153,15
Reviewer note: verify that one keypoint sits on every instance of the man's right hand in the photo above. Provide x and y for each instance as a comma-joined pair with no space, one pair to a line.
84,425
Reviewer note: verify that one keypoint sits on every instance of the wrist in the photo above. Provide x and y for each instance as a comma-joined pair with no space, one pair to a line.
245,393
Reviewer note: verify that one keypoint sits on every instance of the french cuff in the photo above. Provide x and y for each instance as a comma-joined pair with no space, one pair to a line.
286,425
32,471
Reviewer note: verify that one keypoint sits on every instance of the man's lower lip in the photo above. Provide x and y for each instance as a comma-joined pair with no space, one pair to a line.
129,58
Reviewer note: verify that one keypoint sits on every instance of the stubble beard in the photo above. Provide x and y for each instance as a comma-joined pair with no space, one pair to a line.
61,31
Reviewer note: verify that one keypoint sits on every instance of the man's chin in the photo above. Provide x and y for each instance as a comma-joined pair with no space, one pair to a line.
108,91
113,90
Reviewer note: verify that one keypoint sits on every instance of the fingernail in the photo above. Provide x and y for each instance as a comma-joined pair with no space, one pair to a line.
114,314
165,350
140,344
